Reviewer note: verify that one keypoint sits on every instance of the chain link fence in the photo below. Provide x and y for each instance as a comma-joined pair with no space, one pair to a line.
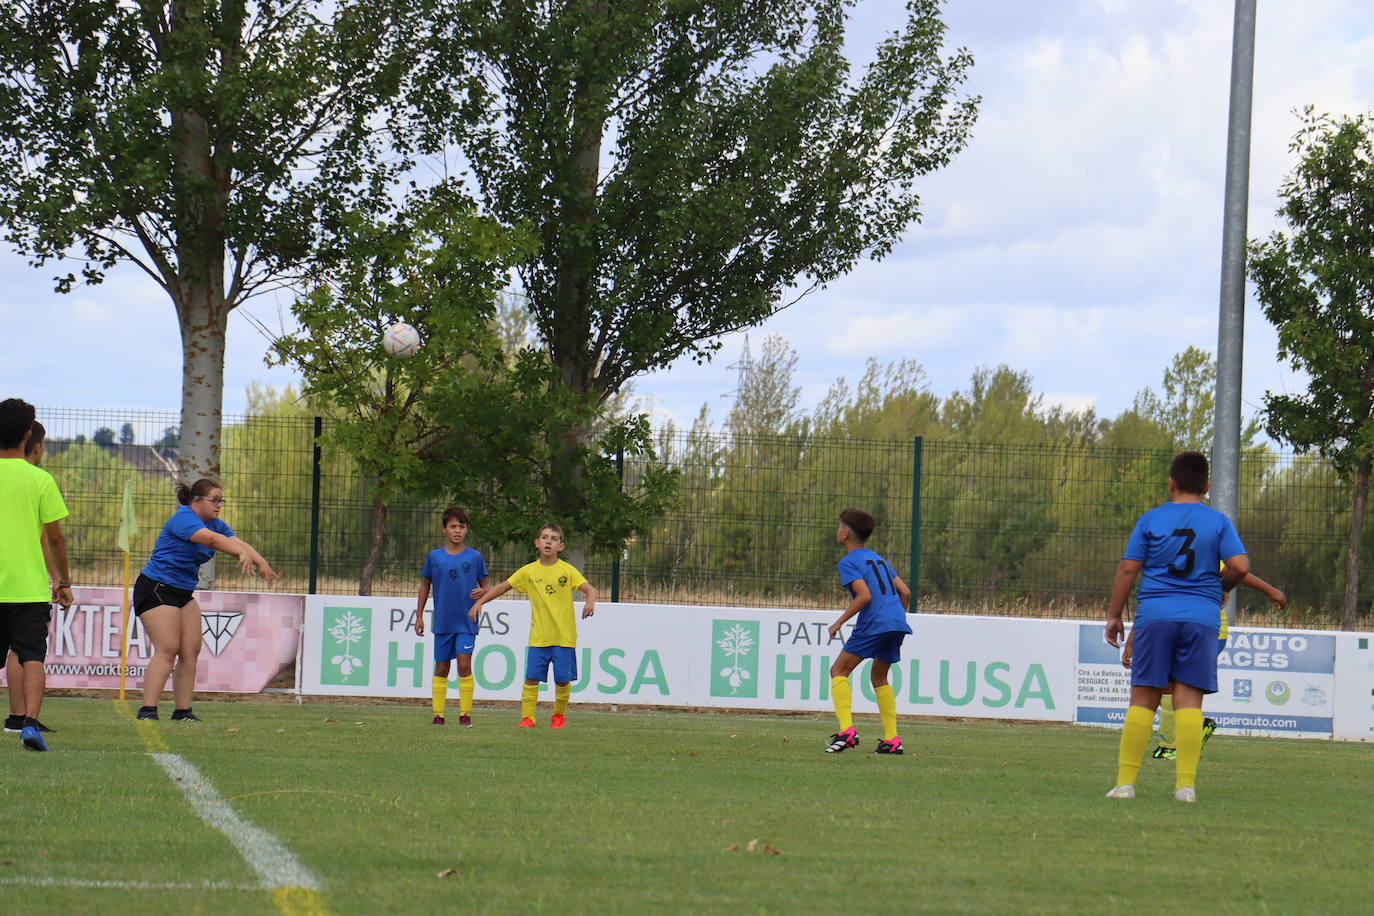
1001,529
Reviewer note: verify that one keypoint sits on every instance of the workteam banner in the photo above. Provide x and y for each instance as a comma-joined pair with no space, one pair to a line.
247,639
984,667
1269,682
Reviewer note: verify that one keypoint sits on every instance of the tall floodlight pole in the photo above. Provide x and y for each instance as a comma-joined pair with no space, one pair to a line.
1231,322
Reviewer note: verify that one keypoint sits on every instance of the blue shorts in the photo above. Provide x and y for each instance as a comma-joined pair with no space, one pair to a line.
563,659
452,645
1174,650
881,647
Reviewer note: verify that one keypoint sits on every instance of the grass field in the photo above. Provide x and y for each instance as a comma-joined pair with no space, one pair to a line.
634,810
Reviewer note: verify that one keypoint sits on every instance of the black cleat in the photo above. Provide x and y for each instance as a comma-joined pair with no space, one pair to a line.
890,747
147,712
843,741
184,715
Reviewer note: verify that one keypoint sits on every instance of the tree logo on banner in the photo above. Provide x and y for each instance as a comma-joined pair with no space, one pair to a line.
347,645
735,658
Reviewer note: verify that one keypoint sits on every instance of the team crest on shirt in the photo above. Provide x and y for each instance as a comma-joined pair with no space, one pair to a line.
549,589
217,630
467,565
562,581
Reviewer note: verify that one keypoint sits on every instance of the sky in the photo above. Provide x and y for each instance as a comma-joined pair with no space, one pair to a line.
1077,238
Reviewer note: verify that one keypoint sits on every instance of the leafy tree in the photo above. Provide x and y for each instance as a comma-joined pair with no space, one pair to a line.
1187,409
196,139
686,167
1316,284
889,402
438,267
462,418
126,434
104,437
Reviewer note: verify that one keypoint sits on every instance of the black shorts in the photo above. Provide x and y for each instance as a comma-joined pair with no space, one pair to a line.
24,630
150,593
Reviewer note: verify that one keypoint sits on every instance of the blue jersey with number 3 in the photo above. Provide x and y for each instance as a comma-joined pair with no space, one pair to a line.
884,613
1182,546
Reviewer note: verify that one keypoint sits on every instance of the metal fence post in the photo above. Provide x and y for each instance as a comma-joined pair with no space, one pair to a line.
315,508
615,563
915,520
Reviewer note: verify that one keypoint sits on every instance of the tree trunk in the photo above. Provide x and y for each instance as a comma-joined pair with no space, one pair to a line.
1352,546
574,289
374,550
198,291
204,321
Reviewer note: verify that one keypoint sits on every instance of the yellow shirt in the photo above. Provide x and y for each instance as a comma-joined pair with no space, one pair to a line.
1225,630
29,499
549,588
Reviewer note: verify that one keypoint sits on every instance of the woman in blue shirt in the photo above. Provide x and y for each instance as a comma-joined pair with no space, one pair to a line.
164,597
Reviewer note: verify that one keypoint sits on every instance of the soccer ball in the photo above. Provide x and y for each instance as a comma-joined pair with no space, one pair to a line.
400,340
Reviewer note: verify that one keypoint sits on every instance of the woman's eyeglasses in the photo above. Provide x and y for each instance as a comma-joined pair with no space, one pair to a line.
217,500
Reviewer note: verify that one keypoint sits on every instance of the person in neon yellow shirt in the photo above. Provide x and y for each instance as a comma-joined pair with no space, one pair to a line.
30,509
1167,749
14,669
549,583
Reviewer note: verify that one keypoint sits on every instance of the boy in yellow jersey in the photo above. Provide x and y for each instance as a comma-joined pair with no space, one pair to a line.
1168,748
549,583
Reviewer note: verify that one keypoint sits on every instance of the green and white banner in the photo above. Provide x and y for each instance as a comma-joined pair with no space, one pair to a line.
749,658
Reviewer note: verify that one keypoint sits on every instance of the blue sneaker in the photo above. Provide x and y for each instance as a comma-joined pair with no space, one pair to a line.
33,738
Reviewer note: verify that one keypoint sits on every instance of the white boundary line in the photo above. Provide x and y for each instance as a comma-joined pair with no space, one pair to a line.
134,885
273,862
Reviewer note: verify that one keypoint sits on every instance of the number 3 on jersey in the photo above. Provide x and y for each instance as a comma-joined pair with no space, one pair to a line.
1185,561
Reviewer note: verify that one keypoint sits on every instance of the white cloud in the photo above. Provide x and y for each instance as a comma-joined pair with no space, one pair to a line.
870,335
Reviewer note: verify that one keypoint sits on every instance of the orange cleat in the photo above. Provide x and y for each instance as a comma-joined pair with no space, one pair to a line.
526,723
557,722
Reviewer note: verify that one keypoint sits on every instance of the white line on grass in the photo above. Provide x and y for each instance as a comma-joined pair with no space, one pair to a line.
135,885
273,862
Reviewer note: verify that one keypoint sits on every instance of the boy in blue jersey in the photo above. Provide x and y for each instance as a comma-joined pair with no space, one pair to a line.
1177,549
880,599
458,574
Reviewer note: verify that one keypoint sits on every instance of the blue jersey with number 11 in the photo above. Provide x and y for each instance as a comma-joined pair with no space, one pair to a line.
884,613
1182,546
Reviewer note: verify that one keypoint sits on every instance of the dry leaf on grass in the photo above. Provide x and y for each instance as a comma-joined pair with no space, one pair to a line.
445,873
733,847
231,729
753,844
770,851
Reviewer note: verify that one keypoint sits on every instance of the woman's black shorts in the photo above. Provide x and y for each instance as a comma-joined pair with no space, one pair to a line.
150,593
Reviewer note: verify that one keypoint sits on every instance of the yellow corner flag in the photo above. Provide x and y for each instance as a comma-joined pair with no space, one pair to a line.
128,522
128,527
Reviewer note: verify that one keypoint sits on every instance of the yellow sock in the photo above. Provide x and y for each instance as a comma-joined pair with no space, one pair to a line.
1189,747
1167,738
529,699
887,710
1135,737
465,687
439,688
561,695
839,692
